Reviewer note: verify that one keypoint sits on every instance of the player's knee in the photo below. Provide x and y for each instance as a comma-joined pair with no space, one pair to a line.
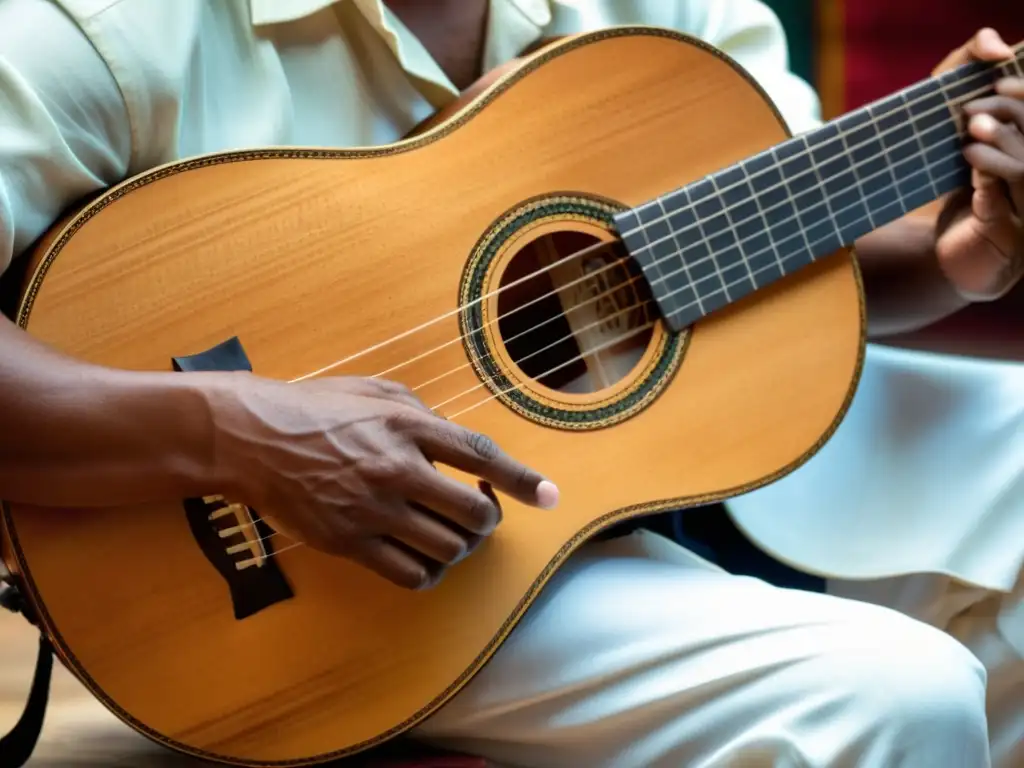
920,686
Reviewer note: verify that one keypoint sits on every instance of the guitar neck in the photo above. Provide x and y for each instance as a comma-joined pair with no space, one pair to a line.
712,242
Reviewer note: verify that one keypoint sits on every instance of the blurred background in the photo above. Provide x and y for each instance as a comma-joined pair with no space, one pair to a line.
855,51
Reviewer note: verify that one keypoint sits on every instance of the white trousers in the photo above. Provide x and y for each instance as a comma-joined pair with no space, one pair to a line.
641,655
989,623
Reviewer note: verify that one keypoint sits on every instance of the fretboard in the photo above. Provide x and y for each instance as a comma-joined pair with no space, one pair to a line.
712,242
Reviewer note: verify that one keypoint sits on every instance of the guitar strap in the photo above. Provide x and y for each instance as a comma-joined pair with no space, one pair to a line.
18,745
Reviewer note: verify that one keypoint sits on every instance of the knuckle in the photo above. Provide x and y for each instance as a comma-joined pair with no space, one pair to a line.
483,446
1006,131
343,545
351,536
414,578
484,515
387,467
454,549
472,543
404,421
432,577
394,387
524,480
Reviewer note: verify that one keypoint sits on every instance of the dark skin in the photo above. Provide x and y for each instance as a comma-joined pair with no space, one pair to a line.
453,31
347,463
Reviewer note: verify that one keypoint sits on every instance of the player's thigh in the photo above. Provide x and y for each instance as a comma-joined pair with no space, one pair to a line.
637,645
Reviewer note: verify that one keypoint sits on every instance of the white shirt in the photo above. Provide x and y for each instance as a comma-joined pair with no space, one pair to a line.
925,474
152,81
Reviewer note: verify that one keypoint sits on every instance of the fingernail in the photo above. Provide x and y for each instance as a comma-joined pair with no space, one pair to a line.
547,494
984,123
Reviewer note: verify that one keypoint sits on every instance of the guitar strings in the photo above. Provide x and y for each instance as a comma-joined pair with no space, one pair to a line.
762,213
569,336
557,316
662,277
555,291
848,149
947,105
501,392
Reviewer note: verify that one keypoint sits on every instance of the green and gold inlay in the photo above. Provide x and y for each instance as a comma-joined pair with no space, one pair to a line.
508,386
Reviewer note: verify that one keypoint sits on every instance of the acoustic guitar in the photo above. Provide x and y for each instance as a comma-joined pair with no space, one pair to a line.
615,260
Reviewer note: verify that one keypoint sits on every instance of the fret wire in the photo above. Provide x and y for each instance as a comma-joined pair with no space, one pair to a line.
761,269
921,146
884,155
909,166
889,172
858,182
847,151
929,166
809,154
948,106
690,306
792,201
718,269
732,228
682,260
821,185
716,193
954,114
773,246
655,261
764,211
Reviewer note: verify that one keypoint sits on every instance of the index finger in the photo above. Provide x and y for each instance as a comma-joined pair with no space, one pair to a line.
464,449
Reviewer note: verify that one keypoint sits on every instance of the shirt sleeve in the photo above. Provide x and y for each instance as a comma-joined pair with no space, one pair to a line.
64,129
751,33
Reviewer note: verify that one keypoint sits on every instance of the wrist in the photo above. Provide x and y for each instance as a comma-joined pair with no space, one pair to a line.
230,464
905,285
171,416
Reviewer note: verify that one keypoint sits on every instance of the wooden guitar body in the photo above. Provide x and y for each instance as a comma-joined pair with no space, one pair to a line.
308,257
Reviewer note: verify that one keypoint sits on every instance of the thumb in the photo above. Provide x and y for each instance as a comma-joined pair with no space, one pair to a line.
986,45
989,201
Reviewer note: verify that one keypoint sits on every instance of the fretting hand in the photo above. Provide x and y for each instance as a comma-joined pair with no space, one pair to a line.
345,465
980,238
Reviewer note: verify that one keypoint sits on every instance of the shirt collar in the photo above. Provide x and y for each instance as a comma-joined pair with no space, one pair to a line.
536,12
513,25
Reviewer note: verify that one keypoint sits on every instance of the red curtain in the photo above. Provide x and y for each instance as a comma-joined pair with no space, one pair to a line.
889,44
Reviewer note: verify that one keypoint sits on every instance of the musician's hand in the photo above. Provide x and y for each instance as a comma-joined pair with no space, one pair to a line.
980,238
345,465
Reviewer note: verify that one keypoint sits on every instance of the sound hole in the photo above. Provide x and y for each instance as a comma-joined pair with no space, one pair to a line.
576,324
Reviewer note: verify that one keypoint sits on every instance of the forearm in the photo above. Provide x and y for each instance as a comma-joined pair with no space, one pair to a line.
906,290
81,435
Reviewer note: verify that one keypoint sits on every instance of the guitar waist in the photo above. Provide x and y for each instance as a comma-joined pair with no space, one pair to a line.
710,533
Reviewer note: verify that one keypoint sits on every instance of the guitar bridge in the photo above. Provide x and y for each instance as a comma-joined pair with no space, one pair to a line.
237,544
233,538
236,522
